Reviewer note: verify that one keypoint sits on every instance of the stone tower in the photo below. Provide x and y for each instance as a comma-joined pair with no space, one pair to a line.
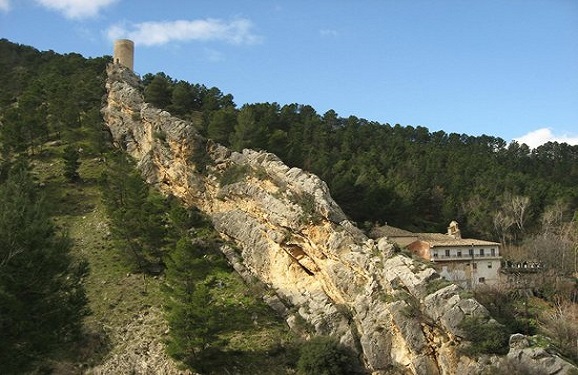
124,53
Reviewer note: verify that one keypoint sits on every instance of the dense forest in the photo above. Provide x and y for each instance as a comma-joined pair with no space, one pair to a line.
405,176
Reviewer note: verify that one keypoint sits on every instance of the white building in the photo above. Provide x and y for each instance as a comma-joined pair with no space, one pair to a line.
467,262
464,261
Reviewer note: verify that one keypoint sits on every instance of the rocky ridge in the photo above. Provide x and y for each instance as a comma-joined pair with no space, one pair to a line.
324,275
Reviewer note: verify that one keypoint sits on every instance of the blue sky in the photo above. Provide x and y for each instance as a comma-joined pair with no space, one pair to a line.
506,68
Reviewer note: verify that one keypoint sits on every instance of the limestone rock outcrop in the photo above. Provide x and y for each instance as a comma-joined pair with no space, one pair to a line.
325,275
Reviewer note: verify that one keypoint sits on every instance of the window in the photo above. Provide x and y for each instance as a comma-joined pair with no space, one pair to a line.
447,253
471,252
482,279
435,254
459,253
493,252
481,252
489,264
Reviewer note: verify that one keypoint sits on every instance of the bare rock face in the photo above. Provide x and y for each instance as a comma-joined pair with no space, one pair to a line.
326,276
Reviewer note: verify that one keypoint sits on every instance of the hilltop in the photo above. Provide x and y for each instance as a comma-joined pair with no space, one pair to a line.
259,201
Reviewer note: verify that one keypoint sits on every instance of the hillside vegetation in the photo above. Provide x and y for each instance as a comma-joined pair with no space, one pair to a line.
405,175
113,238
137,244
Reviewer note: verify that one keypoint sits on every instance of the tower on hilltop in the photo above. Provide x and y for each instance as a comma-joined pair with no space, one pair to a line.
124,53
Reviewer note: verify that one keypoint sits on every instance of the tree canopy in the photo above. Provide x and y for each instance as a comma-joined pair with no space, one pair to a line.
42,299
403,175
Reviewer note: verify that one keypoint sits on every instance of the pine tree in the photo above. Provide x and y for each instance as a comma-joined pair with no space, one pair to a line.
42,299
71,163
136,213
159,91
191,311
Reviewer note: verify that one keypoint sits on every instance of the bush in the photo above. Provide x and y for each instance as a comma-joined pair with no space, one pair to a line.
485,337
325,356
235,173
307,202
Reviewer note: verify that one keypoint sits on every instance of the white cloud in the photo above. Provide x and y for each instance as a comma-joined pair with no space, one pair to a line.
238,31
76,9
4,5
538,137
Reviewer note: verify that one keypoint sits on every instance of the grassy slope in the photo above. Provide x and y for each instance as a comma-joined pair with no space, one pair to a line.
126,309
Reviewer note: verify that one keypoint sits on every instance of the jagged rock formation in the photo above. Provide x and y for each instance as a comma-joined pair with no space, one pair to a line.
325,275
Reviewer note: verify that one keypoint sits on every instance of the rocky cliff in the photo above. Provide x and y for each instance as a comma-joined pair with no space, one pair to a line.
324,275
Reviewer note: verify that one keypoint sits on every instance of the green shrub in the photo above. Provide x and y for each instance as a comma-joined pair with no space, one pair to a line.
485,337
160,135
437,284
307,203
325,356
234,173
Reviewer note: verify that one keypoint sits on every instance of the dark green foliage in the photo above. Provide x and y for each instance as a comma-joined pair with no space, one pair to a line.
194,318
508,307
42,299
405,175
437,284
46,96
221,124
71,163
198,318
185,221
159,91
212,315
484,336
136,214
251,129
325,356
183,98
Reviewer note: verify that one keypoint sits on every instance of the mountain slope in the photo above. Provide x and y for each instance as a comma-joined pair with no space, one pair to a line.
293,237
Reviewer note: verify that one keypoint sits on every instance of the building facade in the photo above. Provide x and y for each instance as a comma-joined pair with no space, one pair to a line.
465,261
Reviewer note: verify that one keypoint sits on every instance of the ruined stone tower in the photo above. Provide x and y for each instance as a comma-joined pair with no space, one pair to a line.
124,53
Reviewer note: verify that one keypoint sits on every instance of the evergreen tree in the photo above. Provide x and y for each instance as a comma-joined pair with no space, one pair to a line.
249,132
191,313
71,163
222,124
159,91
325,356
182,100
136,213
42,299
